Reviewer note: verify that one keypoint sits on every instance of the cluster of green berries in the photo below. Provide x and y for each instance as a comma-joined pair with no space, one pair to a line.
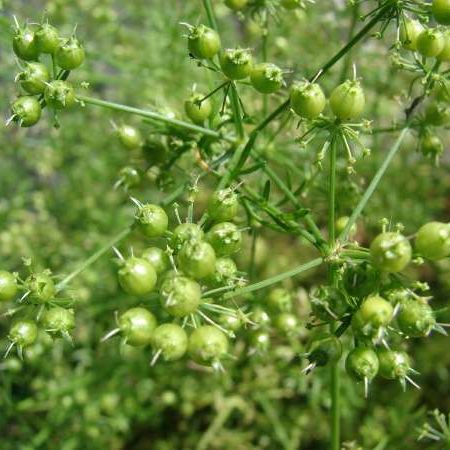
307,99
346,101
391,252
437,114
38,294
375,307
429,42
148,156
273,318
403,310
236,63
184,263
40,85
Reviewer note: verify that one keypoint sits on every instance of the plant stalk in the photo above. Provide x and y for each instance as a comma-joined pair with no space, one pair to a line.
372,186
112,242
210,14
94,257
275,279
152,115
327,66
334,369
237,112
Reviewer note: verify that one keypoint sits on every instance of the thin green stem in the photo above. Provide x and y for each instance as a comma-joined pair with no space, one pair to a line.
280,128
277,424
275,279
335,407
99,253
356,254
152,115
313,228
264,58
237,112
114,241
329,64
334,369
271,117
347,60
251,268
218,88
372,186
217,291
210,14
228,175
54,67
175,194
275,212
332,192
325,68
226,407
361,34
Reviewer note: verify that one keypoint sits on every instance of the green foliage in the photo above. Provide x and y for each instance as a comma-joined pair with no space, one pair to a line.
255,270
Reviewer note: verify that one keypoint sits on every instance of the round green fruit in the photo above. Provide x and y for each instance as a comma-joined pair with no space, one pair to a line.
8,286
225,238
70,54
347,100
57,319
207,344
430,42
26,111
23,333
198,109
441,11
186,232
152,220
393,364
362,363
129,136
34,77
41,287
307,99
236,5
24,44
59,94
409,32
46,38
223,205
266,78
157,258
197,259
236,63
171,340
374,313
203,42
390,252
180,296
137,326
416,318
137,276
433,240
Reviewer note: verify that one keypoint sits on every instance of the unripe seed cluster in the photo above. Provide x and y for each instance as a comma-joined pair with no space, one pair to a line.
173,274
40,308
40,84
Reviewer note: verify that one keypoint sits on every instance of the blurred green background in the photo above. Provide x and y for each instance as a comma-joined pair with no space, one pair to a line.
58,205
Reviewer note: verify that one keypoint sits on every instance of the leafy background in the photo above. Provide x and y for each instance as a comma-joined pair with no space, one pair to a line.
58,205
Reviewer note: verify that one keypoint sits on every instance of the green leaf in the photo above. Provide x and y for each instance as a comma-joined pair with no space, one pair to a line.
266,191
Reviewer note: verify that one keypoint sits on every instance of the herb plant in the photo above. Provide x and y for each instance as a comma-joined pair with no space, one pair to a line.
262,157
